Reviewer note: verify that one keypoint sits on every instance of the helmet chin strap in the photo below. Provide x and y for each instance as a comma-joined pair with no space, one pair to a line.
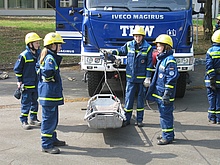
55,51
32,47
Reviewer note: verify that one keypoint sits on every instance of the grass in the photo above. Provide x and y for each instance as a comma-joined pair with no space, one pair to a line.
12,34
14,29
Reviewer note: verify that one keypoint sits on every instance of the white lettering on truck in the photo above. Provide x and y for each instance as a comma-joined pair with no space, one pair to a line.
127,30
137,16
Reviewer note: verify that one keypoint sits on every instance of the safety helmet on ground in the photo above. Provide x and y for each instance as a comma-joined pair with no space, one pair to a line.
53,38
218,17
138,30
216,36
32,37
165,39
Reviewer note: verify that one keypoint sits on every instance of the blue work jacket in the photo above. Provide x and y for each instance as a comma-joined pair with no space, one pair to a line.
50,88
24,68
213,65
165,77
139,60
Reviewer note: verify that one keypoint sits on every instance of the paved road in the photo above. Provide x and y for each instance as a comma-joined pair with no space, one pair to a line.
197,141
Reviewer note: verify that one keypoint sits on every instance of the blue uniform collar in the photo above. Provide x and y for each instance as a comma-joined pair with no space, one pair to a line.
57,58
164,55
215,44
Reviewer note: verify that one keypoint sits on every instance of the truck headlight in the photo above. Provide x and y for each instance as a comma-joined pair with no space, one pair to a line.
92,61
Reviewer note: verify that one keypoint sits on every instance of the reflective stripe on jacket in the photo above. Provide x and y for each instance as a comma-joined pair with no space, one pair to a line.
50,83
24,68
165,78
139,60
213,65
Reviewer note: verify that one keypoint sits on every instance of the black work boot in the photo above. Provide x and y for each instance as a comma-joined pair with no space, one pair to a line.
140,124
26,126
35,122
163,142
125,123
53,150
212,121
59,143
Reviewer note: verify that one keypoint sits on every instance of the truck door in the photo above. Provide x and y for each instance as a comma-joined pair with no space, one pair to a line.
68,25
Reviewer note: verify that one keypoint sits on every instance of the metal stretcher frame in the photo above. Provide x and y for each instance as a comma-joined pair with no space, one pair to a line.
104,111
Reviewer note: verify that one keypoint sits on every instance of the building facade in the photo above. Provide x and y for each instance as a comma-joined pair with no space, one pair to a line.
26,8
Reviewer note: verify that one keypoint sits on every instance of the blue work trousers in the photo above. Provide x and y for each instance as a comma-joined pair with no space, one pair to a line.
29,103
166,121
214,104
48,126
129,100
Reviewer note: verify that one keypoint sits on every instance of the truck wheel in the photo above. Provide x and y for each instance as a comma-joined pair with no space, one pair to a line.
181,86
95,80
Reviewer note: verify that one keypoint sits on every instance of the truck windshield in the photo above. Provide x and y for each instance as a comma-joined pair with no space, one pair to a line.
138,5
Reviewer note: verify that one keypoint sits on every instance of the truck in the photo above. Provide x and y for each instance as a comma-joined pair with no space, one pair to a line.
90,27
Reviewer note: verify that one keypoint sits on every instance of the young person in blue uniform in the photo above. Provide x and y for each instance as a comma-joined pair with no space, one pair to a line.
25,72
212,79
163,87
50,91
138,73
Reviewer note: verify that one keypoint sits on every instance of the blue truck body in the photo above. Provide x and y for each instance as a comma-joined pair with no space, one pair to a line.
91,26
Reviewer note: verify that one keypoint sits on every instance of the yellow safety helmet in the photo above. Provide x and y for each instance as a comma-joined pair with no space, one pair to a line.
31,37
165,39
53,38
216,36
218,17
138,30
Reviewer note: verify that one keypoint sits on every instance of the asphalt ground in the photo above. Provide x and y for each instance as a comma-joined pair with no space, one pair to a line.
196,142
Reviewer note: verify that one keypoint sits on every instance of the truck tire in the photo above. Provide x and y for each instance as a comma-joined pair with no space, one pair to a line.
181,86
95,80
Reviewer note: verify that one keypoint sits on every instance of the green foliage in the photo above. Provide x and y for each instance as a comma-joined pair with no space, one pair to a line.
12,34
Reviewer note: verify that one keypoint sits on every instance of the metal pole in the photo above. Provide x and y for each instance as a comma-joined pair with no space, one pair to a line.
197,24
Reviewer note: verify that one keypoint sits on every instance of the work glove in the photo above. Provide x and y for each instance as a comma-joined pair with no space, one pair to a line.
146,82
17,93
107,55
117,63
166,97
114,52
111,58
213,83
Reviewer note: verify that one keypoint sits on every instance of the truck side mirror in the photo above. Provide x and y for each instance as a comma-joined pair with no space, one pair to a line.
74,3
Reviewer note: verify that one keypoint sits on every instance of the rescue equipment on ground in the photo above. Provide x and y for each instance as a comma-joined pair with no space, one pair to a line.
104,110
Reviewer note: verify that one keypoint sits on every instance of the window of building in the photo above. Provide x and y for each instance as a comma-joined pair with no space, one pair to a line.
1,4
68,3
44,4
20,3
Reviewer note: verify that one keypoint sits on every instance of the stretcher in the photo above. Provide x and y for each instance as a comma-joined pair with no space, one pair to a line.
104,111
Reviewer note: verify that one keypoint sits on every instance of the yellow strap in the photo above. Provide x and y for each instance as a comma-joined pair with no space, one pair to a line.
140,109
128,110
51,99
33,112
211,70
167,130
47,135
159,97
23,114
169,86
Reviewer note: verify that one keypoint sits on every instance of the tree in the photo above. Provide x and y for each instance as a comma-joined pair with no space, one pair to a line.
207,20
